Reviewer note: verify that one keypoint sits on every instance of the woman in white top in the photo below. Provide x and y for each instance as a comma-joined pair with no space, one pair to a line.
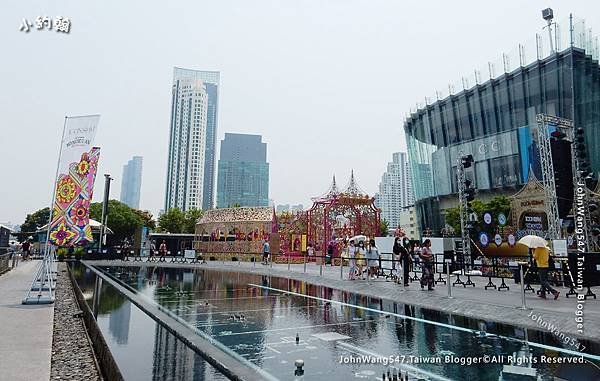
351,261
372,259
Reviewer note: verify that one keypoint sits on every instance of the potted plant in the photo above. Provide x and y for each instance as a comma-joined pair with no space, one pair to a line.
79,251
61,253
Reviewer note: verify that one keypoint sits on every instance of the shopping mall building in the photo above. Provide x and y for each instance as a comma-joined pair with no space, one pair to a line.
494,120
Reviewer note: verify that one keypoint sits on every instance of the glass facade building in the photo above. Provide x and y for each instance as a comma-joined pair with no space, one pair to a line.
495,122
243,171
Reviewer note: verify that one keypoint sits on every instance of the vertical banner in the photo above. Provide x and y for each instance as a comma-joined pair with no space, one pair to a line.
75,183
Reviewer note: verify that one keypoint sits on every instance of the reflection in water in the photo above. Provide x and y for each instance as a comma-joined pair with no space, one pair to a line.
143,349
173,360
118,323
261,325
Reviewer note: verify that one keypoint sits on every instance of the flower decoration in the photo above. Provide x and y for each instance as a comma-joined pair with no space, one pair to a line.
66,190
62,235
79,212
83,167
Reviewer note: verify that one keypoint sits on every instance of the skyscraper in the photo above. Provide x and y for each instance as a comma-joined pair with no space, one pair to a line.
131,182
243,171
395,189
192,140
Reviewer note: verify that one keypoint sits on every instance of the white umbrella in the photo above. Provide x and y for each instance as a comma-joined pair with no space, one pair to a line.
358,238
533,241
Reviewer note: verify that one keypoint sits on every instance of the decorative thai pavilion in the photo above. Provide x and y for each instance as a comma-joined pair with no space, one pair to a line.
236,232
342,214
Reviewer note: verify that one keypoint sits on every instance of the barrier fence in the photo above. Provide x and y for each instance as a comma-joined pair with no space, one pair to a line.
6,262
493,271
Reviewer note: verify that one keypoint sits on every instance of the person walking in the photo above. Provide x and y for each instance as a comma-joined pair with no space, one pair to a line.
542,257
360,255
330,252
351,260
266,252
26,248
372,259
163,250
417,254
396,259
152,250
403,256
427,258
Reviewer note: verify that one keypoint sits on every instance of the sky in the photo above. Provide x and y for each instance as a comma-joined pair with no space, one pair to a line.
327,83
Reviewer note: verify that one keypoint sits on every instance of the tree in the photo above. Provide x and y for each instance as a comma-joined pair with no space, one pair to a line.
147,218
177,221
384,226
122,219
35,220
191,217
172,221
497,205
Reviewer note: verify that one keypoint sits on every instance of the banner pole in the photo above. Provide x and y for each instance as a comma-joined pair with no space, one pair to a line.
44,269
62,140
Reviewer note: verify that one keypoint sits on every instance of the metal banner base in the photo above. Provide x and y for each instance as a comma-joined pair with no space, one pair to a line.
44,281
38,300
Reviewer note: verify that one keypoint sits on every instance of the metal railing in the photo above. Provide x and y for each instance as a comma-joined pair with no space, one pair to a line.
518,269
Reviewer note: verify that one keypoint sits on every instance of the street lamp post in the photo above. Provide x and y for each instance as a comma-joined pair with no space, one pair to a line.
107,180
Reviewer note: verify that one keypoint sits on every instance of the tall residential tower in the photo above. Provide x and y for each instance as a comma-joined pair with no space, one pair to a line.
131,182
243,171
395,189
192,140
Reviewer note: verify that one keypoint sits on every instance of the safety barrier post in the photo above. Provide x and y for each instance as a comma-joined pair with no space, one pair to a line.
321,267
448,275
304,262
523,305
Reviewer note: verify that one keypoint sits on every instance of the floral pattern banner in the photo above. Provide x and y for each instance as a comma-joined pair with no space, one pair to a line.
70,224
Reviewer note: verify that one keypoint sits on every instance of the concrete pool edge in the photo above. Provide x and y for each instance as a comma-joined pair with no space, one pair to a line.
467,308
229,366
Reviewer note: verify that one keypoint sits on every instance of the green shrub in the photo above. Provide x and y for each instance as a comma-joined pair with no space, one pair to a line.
61,253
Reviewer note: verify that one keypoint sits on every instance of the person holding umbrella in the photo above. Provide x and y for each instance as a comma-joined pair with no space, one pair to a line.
542,256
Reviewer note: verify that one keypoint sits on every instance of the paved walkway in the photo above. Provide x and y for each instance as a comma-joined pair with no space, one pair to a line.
25,331
475,302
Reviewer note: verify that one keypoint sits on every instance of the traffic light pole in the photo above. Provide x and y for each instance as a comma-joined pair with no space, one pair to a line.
464,211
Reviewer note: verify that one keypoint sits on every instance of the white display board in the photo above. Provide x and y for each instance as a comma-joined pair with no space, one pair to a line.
386,260
189,254
439,266
559,247
385,245
437,245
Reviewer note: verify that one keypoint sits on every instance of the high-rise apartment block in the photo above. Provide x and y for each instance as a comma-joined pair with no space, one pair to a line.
395,189
192,140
